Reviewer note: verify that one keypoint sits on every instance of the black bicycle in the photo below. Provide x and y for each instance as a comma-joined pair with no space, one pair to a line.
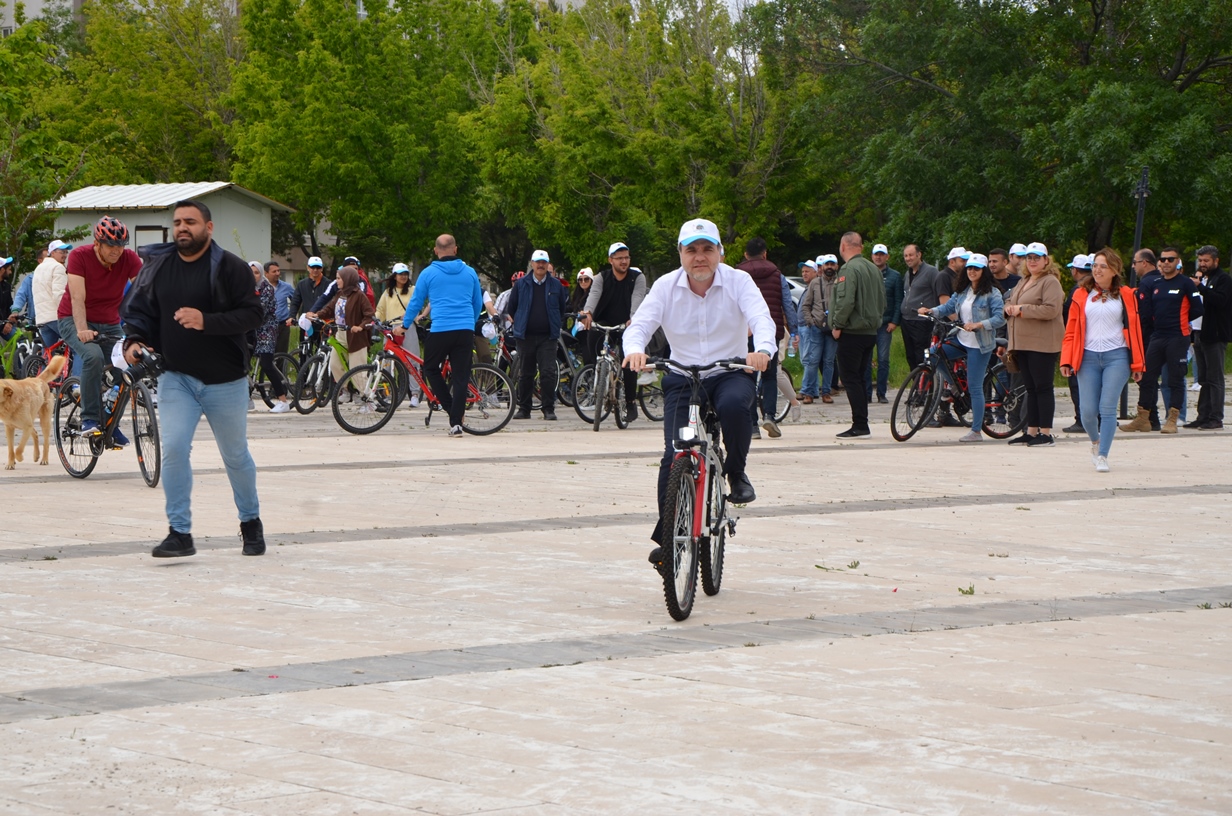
695,510
940,379
121,389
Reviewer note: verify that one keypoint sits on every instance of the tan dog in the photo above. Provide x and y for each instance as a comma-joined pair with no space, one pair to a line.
24,401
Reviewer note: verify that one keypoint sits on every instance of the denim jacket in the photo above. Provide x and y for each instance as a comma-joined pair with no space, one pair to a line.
987,309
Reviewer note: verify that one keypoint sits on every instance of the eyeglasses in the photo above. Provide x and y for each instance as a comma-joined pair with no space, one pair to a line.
1032,257
1169,260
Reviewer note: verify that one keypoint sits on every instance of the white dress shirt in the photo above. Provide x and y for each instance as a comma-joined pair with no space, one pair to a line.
704,329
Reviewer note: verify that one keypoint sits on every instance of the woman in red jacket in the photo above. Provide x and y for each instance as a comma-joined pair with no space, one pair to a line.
1103,345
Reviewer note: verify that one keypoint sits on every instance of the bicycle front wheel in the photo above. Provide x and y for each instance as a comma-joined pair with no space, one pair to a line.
1002,415
650,397
584,393
145,435
602,392
373,398
679,568
915,402
78,454
489,401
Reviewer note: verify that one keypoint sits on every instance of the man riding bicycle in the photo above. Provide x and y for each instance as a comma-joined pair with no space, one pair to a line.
614,298
706,308
89,312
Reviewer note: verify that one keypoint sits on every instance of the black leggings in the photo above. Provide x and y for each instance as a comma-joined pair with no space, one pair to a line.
272,374
1037,370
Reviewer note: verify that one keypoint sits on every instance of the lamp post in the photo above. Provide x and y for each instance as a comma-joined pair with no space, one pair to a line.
1141,191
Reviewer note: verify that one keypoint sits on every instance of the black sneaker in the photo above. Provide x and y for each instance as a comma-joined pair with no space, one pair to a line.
1075,428
254,537
1193,426
174,545
521,414
1042,441
741,489
852,433
550,416
1025,439
630,412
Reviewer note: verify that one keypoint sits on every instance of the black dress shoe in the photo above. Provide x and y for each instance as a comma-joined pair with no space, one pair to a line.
1197,423
1210,425
520,414
550,416
174,545
852,433
741,489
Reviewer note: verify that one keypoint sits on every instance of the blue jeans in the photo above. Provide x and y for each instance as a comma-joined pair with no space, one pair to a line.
50,333
977,364
829,350
1101,377
810,359
181,402
94,357
883,366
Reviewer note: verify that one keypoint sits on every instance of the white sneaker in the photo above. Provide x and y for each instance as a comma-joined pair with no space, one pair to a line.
1095,453
1101,464
795,412
252,406
366,408
456,430
971,436
646,378
1196,387
281,407
414,400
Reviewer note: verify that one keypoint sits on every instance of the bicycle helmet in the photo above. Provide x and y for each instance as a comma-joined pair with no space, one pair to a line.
111,232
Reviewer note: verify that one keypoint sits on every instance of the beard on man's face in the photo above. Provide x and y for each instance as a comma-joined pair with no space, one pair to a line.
189,244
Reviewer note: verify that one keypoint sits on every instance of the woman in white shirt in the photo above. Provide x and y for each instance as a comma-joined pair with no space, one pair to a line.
1103,344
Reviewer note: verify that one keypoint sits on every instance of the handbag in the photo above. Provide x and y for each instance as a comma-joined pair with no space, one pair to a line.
1011,362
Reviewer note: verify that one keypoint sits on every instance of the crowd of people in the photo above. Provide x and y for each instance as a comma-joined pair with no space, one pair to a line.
196,305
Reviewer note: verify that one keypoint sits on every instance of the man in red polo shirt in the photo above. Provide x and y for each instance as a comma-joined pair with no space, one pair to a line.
89,312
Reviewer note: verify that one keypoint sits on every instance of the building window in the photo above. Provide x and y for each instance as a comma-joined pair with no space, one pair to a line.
149,235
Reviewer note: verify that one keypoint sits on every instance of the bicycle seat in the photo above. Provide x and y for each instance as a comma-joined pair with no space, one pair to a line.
1002,342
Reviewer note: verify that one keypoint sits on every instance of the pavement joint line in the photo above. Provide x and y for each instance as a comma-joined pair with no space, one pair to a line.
86,700
112,548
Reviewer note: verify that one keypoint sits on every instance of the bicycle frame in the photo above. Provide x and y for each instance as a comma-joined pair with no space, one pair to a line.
414,367
948,370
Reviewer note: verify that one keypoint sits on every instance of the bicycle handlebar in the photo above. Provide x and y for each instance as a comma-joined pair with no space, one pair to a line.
664,364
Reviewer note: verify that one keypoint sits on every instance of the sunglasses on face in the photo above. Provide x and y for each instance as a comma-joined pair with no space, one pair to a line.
1167,260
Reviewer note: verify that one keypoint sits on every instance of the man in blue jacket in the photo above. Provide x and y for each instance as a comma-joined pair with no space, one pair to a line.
452,287
537,304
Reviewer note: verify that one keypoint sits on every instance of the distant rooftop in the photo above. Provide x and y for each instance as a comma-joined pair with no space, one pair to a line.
149,196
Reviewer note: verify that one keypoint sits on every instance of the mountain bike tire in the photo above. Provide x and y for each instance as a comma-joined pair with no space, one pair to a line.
145,435
77,454
650,398
374,399
710,548
1002,415
306,397
618,411
602,392
583,394
679,568
490,401
914,403
288,367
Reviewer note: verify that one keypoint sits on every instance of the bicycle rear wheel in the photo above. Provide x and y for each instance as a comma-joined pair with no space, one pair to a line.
288,367
584,393
489,402
618,408
77,454
710,548
915,402
145,435
1002,417
650,397
374,396
679,568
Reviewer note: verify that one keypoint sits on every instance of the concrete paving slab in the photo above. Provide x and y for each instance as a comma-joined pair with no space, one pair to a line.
470,648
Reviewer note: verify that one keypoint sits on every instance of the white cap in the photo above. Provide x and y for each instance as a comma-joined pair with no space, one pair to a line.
1036,248
880,248
317,262
978,260
811,264
614,248
821,259
699,229
1080,262
401,267
585,272
1018,249
831,258
58,245
540,255
958,252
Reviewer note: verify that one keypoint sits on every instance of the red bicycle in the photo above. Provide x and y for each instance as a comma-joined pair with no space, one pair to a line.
695,513
367,396
36,364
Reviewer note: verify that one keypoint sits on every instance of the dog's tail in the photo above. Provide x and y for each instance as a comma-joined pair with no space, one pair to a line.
53,369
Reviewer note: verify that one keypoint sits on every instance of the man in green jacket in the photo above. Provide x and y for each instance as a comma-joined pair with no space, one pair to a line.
859,302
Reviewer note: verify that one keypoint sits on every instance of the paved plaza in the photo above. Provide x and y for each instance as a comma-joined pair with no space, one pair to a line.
462,626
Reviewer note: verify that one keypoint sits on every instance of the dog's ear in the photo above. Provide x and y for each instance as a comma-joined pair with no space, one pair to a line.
8,390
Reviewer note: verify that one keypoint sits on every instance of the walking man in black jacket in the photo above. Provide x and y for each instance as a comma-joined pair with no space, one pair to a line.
1213,340
193,303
